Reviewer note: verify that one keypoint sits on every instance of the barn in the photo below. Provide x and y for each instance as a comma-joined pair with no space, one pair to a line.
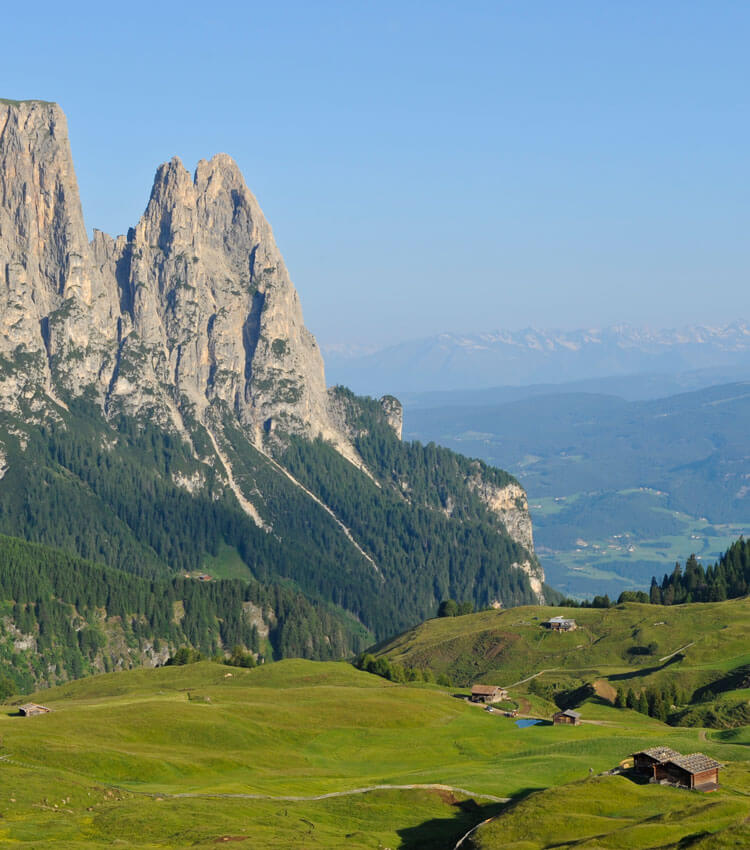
31,709
560,624
567,717
692,771
488,693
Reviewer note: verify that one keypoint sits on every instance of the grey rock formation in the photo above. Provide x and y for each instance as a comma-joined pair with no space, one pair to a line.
54,308
193,309
394,413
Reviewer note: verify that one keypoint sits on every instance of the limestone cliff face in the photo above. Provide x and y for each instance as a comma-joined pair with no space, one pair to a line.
209,310
394,413
193,310
54,308
510,505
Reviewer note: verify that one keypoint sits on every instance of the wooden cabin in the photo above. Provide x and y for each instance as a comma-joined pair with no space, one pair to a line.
488,693
560,624
567,717
692,771
31,709
646,760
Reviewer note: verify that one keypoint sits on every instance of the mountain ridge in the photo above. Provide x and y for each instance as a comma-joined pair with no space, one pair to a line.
475,361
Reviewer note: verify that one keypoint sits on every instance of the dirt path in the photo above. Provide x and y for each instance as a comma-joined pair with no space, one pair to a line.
289,798
471,832
529,678
667,657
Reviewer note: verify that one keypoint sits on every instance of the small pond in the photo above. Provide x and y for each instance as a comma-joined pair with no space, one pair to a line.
525,722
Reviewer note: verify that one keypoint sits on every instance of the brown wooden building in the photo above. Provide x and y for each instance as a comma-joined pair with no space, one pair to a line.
31,709
560,624
645,761
567,717
487,693
692,771
663,764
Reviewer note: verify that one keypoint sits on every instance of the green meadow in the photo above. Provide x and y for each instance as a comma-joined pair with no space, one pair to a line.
630,645
142,758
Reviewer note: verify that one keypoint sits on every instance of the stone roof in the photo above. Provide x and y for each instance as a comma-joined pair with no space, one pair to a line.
485,690
660,754
570,713
695,762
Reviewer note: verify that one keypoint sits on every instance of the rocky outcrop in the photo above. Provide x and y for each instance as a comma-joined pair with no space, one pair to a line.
394,413
511,507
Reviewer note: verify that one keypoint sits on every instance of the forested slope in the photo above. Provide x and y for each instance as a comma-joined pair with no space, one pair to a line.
62,617
152,503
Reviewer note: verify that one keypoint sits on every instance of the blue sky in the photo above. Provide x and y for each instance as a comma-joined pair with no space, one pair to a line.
431,166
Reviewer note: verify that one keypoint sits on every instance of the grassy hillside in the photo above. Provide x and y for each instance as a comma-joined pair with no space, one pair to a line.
613,812
700,649
120,754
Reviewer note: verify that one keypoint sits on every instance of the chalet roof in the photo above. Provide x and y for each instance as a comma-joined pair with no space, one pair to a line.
695,762
569,713
561,619
30,706
485,690
660,754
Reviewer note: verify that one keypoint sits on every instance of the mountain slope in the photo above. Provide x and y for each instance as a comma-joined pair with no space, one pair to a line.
62,617
161,400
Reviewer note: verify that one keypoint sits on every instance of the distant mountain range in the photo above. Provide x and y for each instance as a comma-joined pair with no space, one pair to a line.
473,361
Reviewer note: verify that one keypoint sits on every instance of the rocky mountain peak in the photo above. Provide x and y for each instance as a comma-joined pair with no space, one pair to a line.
193,310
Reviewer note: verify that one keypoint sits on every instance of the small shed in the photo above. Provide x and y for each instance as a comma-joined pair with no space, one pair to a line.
692,771
560,624
567,717
646,760
31,709
487,693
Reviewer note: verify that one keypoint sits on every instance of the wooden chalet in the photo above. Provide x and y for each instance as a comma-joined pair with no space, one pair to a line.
560,624
567,717
31,709
663,764
488,693
692,771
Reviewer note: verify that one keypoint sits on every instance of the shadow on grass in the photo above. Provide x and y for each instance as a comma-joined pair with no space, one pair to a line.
645,671
635,776
444,833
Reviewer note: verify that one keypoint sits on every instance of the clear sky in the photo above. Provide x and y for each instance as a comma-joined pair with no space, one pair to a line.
430,166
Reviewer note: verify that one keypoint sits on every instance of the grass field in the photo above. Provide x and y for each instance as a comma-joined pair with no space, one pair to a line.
507,646
111,759
615,813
